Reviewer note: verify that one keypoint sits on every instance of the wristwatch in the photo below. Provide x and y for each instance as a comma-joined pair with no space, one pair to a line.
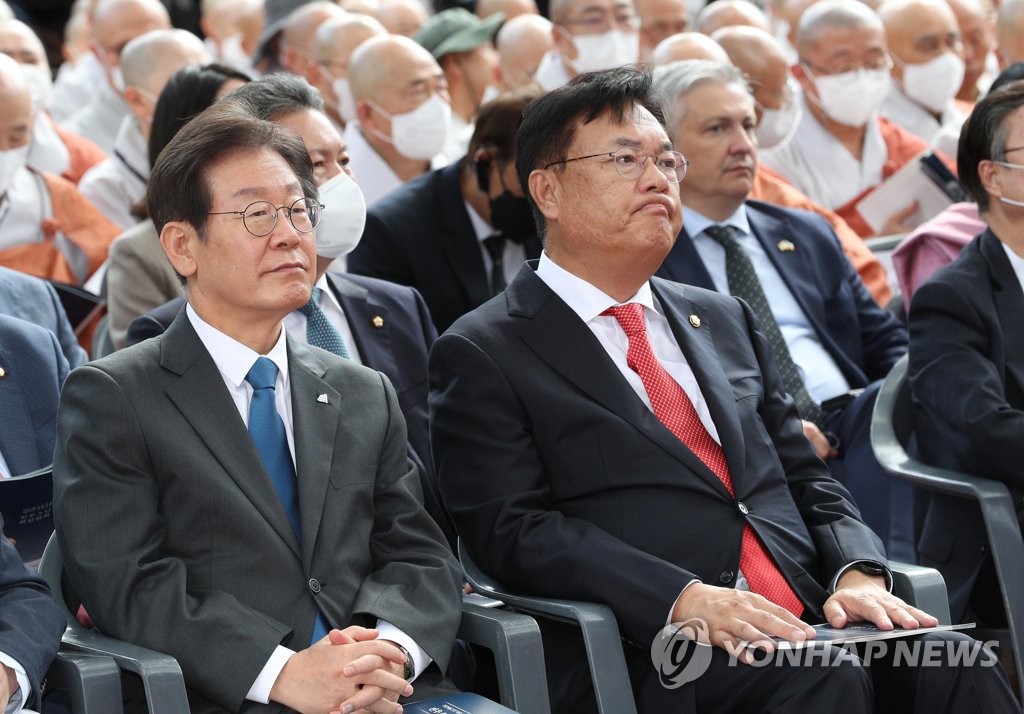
410,668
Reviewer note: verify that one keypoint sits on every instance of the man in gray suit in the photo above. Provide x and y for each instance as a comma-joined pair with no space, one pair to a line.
231,519
35,300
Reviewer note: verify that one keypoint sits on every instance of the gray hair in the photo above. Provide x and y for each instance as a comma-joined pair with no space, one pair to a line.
276,95
674,81
832,15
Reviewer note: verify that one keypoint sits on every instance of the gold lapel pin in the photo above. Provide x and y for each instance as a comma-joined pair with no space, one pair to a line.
786,246
694,320
377,321
3,372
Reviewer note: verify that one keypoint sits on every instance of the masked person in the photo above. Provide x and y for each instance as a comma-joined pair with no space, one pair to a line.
843,148
402,114
460,233
335,41
589,36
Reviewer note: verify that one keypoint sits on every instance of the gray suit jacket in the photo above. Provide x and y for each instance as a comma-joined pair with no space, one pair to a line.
30,298
176,538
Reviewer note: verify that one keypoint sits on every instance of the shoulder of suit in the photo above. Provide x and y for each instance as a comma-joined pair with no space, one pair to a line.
681,295
419,196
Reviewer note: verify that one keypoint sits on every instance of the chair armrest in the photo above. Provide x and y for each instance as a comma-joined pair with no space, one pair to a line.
93,683
514,639
924,588
161,676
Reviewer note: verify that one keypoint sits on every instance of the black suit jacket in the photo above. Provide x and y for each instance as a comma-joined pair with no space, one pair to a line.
421,235
563,483
967,376
396,344
864,340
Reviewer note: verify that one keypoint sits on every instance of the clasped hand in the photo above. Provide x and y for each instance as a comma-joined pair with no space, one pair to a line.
739,616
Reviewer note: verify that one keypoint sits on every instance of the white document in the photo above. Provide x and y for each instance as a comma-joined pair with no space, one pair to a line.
910,183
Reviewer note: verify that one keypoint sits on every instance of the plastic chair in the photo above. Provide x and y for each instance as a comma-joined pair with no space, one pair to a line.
892,425
93,683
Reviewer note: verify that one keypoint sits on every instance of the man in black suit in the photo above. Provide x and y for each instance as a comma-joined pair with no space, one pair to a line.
604,435
460,233
839,341
967,355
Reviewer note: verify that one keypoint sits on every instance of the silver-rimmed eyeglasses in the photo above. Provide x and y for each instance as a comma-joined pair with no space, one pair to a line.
631,164
260,217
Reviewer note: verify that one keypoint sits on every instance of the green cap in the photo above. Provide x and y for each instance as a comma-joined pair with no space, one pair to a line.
457,30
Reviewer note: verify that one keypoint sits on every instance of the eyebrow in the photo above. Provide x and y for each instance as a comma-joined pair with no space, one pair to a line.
626,143
259,191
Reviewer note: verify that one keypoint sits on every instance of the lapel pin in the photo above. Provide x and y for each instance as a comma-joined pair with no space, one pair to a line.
694,320
3,372
786,246
322,399
377,321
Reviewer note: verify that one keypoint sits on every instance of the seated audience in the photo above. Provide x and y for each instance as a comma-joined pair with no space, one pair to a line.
80,72
458,234
35,300
298,33
296,509
659,20
589,35
511,8
114,24
222,24
49,229
401,17
54,150
139,277
965,363
117,186
976,20
832,342
403,114
31,625
608,436
336,40
726,13
1010,33
522,43
842,148
463,45
687,46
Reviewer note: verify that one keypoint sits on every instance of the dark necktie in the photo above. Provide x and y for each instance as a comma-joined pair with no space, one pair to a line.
267,431
675,410
495,246
744,283
320,331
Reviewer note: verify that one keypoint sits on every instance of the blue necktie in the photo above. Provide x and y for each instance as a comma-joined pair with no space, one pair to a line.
267,431
319,330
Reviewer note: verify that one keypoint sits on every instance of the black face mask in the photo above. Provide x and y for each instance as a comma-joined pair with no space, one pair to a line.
511,215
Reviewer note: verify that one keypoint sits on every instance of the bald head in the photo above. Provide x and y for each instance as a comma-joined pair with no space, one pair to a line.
16,112
659,20
402,17
522,42
918,31
337,38
6,13
219,19
149,60
511,8
17,40
299,31
688,46
1010,33
385,65
976,20
760,57
724,13
833,15
115,23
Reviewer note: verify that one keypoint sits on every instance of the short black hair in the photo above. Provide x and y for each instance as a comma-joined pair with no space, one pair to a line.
276,95
549,122
983,137
497,123
178,189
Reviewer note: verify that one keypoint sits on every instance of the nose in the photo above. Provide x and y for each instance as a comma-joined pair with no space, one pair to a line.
651,177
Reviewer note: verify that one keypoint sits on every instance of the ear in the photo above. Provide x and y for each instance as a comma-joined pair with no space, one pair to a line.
135,101
364,112
990,177
178,239
545,190
799,73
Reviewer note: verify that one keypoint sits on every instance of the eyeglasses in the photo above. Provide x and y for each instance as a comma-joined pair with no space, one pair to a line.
260,217
603,23
631,165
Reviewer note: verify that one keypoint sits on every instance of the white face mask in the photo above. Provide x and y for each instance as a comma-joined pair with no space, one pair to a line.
932,84
346,100
851,98
341,225
40,85
607,50
778,125
232,53
10,161
422,133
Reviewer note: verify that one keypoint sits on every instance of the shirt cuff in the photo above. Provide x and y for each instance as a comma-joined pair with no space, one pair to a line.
420,659
19,698
260,689
668,620
849,566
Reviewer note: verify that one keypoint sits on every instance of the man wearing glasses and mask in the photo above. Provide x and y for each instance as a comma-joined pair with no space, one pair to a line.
237,499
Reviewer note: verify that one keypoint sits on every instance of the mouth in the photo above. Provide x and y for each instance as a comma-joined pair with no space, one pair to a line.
741,169
659,206
294,267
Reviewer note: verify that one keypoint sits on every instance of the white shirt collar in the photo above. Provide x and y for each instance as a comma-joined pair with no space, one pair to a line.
1017,263
695,223
233,359
481,228
583,298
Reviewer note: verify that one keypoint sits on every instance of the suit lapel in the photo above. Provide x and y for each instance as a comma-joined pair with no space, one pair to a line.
564,342
200,395
460,244
683,264
363,317
1009,302
316,413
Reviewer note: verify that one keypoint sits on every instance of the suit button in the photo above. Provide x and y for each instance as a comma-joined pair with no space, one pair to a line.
743,508
314,585
726,576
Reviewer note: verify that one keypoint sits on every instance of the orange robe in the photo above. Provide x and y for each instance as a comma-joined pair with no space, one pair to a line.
83,153
770,187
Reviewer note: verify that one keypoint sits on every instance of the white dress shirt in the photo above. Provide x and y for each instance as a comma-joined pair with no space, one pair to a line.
908,114
117,183
295,321
234,360
375,177
819,165
18,698
100,119
818,371
551,72
513,256
5,470
1016,262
